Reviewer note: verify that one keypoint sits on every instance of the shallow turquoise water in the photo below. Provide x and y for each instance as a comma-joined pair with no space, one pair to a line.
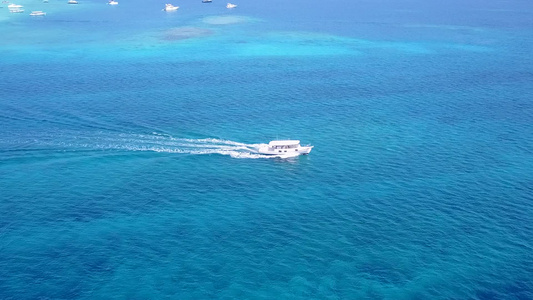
127,167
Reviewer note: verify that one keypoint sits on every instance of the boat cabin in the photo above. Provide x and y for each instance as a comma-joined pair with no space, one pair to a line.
288,144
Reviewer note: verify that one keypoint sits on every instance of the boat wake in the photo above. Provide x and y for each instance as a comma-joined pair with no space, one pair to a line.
157,142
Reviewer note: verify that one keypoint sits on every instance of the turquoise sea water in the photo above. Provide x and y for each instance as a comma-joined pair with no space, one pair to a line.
128,171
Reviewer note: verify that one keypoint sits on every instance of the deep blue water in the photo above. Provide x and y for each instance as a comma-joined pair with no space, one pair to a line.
127,168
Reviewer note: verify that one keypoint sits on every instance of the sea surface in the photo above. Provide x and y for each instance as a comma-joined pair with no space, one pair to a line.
128,137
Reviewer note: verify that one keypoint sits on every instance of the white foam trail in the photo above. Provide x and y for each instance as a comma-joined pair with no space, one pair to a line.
157,142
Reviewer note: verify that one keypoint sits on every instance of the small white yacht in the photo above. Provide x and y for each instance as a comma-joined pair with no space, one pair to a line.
72,2
230,5
37,13
13,6
112,2
170,7
284,148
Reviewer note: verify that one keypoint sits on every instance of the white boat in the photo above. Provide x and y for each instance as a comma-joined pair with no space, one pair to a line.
230,5
284,148
13,5
112,2
37,13
72,2
170,7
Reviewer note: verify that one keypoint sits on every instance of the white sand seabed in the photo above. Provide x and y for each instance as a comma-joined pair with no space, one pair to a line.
185,32
226,20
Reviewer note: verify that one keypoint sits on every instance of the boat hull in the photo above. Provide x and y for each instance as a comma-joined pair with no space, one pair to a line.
266,150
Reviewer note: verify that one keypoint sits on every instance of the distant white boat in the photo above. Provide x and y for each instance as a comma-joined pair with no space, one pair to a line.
170,7
230,5
13,5
112,2
284,148
72,2
38,13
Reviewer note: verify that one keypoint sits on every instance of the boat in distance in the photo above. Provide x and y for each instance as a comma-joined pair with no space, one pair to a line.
112,2
170,7
37,13
284,147
72,2
207,1
231,5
